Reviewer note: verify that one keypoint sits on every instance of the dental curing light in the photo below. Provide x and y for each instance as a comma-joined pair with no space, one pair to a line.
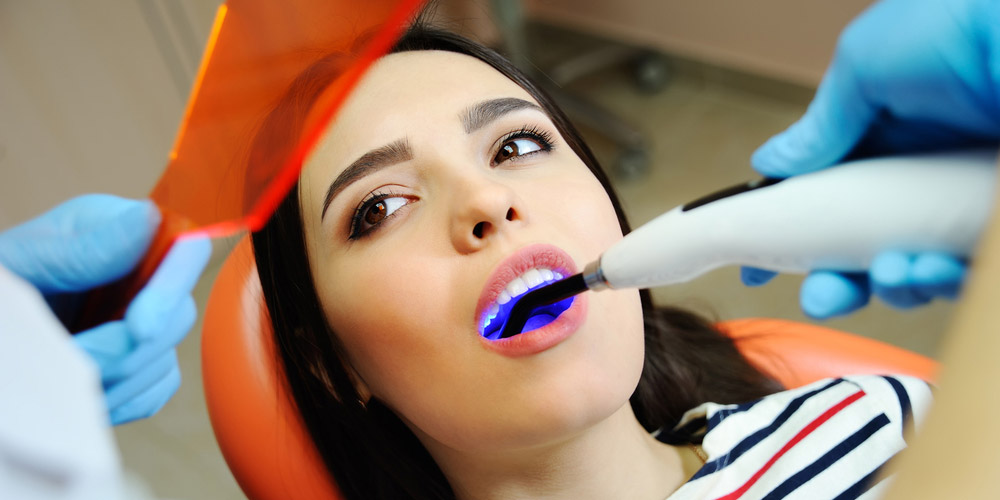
836,219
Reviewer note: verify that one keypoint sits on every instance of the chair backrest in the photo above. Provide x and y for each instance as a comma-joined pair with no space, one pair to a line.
272,456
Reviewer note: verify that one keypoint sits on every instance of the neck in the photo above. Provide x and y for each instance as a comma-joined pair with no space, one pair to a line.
616,458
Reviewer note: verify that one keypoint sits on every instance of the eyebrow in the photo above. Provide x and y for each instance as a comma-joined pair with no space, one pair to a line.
481,114
395,152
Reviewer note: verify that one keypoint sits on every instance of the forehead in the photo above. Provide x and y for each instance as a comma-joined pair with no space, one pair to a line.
403,94
419,80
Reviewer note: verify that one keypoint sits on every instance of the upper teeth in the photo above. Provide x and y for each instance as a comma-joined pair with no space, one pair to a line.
530,279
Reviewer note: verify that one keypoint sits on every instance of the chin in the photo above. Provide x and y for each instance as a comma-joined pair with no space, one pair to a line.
568,417
554,408
562,392
583,395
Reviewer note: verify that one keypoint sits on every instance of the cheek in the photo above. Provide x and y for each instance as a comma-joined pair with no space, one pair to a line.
383,320
413,351
378,301
587,214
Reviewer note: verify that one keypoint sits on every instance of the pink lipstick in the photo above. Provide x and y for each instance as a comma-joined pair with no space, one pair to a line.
529,268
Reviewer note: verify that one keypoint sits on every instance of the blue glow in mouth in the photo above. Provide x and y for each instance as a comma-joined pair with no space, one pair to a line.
540,316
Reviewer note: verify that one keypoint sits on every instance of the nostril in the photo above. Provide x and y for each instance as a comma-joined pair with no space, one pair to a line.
510,214
479,230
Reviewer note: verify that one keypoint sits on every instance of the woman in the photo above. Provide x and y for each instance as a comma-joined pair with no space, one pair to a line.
449,184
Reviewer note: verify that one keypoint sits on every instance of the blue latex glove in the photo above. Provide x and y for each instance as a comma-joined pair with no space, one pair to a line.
908,75
96,239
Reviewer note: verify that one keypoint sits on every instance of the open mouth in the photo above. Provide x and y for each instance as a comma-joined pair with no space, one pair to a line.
492,324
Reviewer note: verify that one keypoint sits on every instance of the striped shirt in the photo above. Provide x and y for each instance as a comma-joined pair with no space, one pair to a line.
827,440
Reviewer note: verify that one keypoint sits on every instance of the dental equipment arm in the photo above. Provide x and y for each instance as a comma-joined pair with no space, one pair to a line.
835,219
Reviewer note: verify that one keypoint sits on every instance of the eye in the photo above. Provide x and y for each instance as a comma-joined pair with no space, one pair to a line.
373,211
514,148
522,143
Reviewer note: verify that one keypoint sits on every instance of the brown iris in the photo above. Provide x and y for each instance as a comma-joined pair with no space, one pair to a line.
507,151
376,213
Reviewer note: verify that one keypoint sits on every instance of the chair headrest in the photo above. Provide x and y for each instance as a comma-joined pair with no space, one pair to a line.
256,424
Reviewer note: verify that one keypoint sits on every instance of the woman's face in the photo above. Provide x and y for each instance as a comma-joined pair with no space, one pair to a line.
447,189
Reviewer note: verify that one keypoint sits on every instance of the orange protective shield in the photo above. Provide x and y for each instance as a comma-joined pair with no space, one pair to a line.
256,50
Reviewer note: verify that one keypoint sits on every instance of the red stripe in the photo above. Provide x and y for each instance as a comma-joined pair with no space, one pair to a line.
795,440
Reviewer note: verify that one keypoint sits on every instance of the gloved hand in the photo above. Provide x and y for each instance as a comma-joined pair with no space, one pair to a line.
96,239
908,75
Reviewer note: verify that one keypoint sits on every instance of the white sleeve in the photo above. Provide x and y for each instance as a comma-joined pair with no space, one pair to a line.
55,437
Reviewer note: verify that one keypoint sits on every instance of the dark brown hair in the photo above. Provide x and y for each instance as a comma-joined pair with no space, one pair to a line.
368,450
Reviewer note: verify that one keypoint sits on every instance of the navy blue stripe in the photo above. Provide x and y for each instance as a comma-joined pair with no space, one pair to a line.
722,414
751,440
828,459
904,402
862,486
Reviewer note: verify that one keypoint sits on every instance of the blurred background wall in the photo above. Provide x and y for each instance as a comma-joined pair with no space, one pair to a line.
91,94
790,40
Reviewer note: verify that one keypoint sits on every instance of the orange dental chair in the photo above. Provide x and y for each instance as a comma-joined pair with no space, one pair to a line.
272,456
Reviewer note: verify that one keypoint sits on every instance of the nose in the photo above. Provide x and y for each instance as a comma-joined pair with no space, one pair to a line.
485,209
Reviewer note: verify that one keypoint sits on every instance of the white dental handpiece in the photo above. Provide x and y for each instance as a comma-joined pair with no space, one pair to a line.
836,219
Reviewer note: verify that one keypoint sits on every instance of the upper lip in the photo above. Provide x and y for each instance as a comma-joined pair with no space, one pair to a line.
529,257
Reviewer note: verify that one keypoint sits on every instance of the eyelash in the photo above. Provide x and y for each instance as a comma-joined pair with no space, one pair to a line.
542,137
371,200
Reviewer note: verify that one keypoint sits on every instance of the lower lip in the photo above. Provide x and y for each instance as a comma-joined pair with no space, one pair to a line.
544,338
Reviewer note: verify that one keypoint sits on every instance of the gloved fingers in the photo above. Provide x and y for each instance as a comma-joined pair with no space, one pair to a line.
125,390
106,344
890,134
891,280
827,294
939,275
114,348
904,280
150,401
136,355
170,285
168,334
837,118
753,276
83,243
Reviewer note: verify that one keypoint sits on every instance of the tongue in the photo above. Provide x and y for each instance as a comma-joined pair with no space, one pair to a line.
544,315
537,320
